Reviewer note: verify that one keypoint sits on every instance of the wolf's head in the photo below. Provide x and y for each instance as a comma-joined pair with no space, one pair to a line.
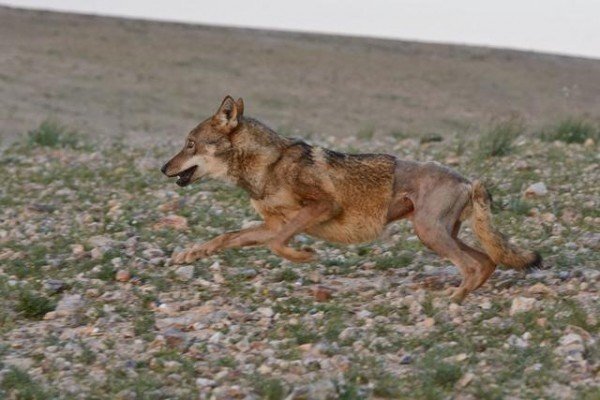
205,148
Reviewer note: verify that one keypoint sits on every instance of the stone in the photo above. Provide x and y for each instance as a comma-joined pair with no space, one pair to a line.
247,273
521,304
204,382
541,289
320,390
175,222
54,285
175,338
185,273
406,359
538,189
322,293
266,311
465,380
122,275
69,305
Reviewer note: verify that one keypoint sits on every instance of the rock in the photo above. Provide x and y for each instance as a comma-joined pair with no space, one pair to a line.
571,347
216,338
203,382
349,333
176,222
538,189
101,241
266,311
185,273
77,250
175,338
54,285
406,359
96,253
314,277
541,289
521,304
319,390
465,380
522,165
22,363
69,305
322,293
427,323
122,275
247,273
152,253
485,305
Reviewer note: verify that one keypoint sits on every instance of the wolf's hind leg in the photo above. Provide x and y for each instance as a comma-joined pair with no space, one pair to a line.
246,237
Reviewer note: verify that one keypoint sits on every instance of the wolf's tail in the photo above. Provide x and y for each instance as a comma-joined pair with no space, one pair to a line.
495,244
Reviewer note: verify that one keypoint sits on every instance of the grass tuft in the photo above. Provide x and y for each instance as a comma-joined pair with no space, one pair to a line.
571,130
17,384
51,133
270,389
32,306
499,140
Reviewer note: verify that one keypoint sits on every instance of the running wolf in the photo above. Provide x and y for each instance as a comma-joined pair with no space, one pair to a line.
343,198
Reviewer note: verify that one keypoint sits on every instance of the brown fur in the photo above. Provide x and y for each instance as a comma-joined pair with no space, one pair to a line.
299,188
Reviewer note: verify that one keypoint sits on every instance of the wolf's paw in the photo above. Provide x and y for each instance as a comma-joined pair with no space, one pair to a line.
457,295
298,256
189,256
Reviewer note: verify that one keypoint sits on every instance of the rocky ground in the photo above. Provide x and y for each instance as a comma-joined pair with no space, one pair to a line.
92,308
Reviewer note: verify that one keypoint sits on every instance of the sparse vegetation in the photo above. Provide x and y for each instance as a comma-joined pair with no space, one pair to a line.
572,130
17,384
52,133
499,139
248,322
32,305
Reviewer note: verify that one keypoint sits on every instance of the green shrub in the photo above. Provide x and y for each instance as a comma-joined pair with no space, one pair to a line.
51,133
571,130
17,384
30,305
270,389
499,139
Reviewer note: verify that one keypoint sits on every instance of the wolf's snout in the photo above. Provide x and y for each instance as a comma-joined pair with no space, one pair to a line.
164,168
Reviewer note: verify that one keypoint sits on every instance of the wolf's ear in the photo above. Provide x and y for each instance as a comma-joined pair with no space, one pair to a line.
228,115
240,107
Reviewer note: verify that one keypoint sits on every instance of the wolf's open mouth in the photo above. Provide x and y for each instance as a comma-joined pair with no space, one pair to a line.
186,176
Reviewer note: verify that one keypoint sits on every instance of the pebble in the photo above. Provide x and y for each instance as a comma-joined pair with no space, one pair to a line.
322,293
266,311
541,289
538,189
123,275
175,222
521,304
175,338
185,273
204,382
54,286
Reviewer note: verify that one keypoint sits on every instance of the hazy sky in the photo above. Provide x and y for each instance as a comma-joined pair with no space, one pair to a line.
558,26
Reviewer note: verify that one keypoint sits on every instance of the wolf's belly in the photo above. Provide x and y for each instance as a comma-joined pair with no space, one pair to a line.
348,229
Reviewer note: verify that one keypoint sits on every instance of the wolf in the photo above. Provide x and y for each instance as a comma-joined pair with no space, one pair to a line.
343,198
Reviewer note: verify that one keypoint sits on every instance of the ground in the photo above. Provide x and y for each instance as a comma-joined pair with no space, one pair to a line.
93,308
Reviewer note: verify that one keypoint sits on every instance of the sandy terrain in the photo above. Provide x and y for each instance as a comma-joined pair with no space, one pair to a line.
127,78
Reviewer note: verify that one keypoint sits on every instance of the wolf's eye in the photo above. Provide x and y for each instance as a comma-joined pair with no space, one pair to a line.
190,144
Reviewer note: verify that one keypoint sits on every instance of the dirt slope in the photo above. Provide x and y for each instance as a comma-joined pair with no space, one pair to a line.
129,78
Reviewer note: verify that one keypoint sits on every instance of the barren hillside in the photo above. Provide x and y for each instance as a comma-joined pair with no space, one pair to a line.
108,76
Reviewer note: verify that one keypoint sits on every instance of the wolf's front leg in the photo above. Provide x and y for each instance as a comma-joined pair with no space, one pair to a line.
246,237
